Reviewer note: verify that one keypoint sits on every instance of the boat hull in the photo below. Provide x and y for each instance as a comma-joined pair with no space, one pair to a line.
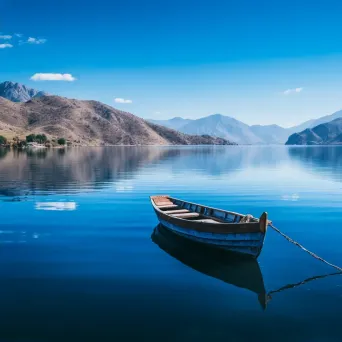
248,244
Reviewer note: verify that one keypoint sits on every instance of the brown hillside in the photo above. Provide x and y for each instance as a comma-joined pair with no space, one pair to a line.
88,123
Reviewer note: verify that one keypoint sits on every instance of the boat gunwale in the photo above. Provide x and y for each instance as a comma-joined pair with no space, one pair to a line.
201,205
213,228
217,209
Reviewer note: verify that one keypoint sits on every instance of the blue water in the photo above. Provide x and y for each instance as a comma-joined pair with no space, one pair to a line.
80,259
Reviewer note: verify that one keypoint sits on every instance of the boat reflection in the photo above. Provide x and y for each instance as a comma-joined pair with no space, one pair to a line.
241,272
228,267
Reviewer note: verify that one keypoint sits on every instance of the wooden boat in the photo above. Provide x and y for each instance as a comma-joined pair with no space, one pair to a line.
243,273
223,229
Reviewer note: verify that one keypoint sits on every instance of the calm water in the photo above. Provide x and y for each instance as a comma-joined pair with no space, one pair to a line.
80,258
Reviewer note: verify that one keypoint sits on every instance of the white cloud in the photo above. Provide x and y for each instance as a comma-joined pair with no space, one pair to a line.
4,46
292,91
37,41
19,35
5,36
53,77
120,100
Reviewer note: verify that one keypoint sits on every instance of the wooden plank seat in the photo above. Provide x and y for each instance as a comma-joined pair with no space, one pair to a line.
158,204
177,211
186,215
207,221
168,206
161,200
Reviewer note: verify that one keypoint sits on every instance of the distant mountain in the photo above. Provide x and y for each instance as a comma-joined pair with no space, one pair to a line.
229,128
315,122
270,134
175,123
222,126
329,133
17,92
88,123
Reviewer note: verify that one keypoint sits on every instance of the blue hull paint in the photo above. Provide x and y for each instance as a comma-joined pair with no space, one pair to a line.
248,243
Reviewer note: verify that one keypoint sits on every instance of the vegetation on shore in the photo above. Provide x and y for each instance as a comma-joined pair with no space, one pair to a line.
40,140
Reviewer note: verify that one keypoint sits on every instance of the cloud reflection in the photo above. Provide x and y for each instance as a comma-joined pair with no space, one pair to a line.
59,206
293,197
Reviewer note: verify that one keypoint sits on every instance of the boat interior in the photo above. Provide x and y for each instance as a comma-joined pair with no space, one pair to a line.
196,212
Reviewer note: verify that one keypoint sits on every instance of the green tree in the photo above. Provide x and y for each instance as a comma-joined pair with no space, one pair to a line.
41,138
31,138
3,140
21,143
61,141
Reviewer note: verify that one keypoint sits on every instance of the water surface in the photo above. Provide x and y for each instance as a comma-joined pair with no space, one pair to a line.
81,258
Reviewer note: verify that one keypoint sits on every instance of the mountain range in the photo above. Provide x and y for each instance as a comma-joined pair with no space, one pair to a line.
88,123
17,92
232,129
91,122
328,133
228,128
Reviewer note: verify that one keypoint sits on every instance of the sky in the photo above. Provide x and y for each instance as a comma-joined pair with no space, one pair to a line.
262,62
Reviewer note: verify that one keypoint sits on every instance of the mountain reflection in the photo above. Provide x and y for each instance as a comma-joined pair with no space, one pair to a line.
64,170
219,160
80,169
324,160
84,169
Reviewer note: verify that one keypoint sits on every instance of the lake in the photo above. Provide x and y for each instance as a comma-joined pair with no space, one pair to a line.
82,258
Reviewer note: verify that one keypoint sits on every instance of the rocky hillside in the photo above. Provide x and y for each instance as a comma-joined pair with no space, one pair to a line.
17,92
315,122
88,123
329,133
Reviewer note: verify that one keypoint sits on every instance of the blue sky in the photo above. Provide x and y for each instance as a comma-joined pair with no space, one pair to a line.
258,61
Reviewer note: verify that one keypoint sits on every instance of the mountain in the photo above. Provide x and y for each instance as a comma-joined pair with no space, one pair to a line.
229,128
88,123
329,133
17,92
222,126
315,122
175,123
270,134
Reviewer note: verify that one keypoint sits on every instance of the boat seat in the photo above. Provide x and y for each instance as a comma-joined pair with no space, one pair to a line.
158,204
207,221
186,215
168,206
177,211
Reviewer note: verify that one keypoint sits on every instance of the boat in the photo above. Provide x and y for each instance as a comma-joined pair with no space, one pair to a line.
227,230
244,273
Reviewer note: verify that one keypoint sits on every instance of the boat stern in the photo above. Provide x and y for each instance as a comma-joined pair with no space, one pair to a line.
263,222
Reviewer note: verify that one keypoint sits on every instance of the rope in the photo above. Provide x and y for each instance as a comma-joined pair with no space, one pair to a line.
291,286
302,247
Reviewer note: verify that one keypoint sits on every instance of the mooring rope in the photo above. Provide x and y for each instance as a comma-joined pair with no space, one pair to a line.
291,286
302,247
